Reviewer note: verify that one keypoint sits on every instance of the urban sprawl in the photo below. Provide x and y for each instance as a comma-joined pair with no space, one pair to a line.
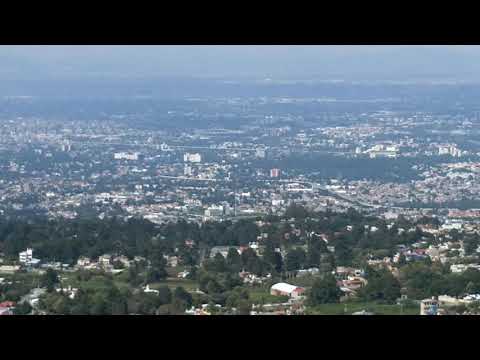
252,206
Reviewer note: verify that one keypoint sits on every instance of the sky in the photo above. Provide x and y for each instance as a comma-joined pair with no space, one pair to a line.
255,61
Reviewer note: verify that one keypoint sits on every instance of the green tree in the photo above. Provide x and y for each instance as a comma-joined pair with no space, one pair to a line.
164,295
23,308
314,252
470,245
324,291
50,279
244,307
296,211
183,297
402,260
295,259
272,257
157,271
234,261
382,286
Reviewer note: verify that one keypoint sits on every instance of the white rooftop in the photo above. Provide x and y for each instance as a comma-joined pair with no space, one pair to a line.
284,287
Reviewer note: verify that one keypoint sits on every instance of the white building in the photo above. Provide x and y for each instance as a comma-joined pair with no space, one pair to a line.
214,211
449,150
26,258
126,156
193,158
459,268
165,147
105,260
148,290
83,261
284,289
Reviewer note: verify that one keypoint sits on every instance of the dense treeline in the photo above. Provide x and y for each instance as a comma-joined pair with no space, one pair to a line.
304,237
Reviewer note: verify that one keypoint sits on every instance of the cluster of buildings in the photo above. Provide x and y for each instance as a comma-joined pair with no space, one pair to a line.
446,305
451,150
350,280
107,262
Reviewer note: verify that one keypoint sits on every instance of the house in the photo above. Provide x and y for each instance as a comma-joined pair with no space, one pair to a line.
69,291
9,269
429,307
172,261
183,274
459,268
284,289
10,305
83,261
147,289
33,297
468,298
311,271
363,312
343,270
448,300
6,311
105,260
249,278
354,283
139,259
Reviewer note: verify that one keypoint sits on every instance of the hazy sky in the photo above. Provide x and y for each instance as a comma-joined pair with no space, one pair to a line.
383,62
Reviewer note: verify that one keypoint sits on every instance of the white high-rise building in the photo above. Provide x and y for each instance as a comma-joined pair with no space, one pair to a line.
25,257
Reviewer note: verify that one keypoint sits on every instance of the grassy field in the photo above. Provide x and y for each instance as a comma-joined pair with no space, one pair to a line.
377,309
95,282
259,295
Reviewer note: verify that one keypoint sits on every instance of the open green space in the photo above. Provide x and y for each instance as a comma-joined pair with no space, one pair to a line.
259,295
349,308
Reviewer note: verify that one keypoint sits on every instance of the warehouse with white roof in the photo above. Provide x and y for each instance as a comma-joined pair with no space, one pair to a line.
285,289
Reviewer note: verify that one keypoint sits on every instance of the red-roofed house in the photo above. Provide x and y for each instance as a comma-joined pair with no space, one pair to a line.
7,304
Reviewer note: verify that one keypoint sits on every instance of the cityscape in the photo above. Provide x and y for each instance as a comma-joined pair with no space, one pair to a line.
270,198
